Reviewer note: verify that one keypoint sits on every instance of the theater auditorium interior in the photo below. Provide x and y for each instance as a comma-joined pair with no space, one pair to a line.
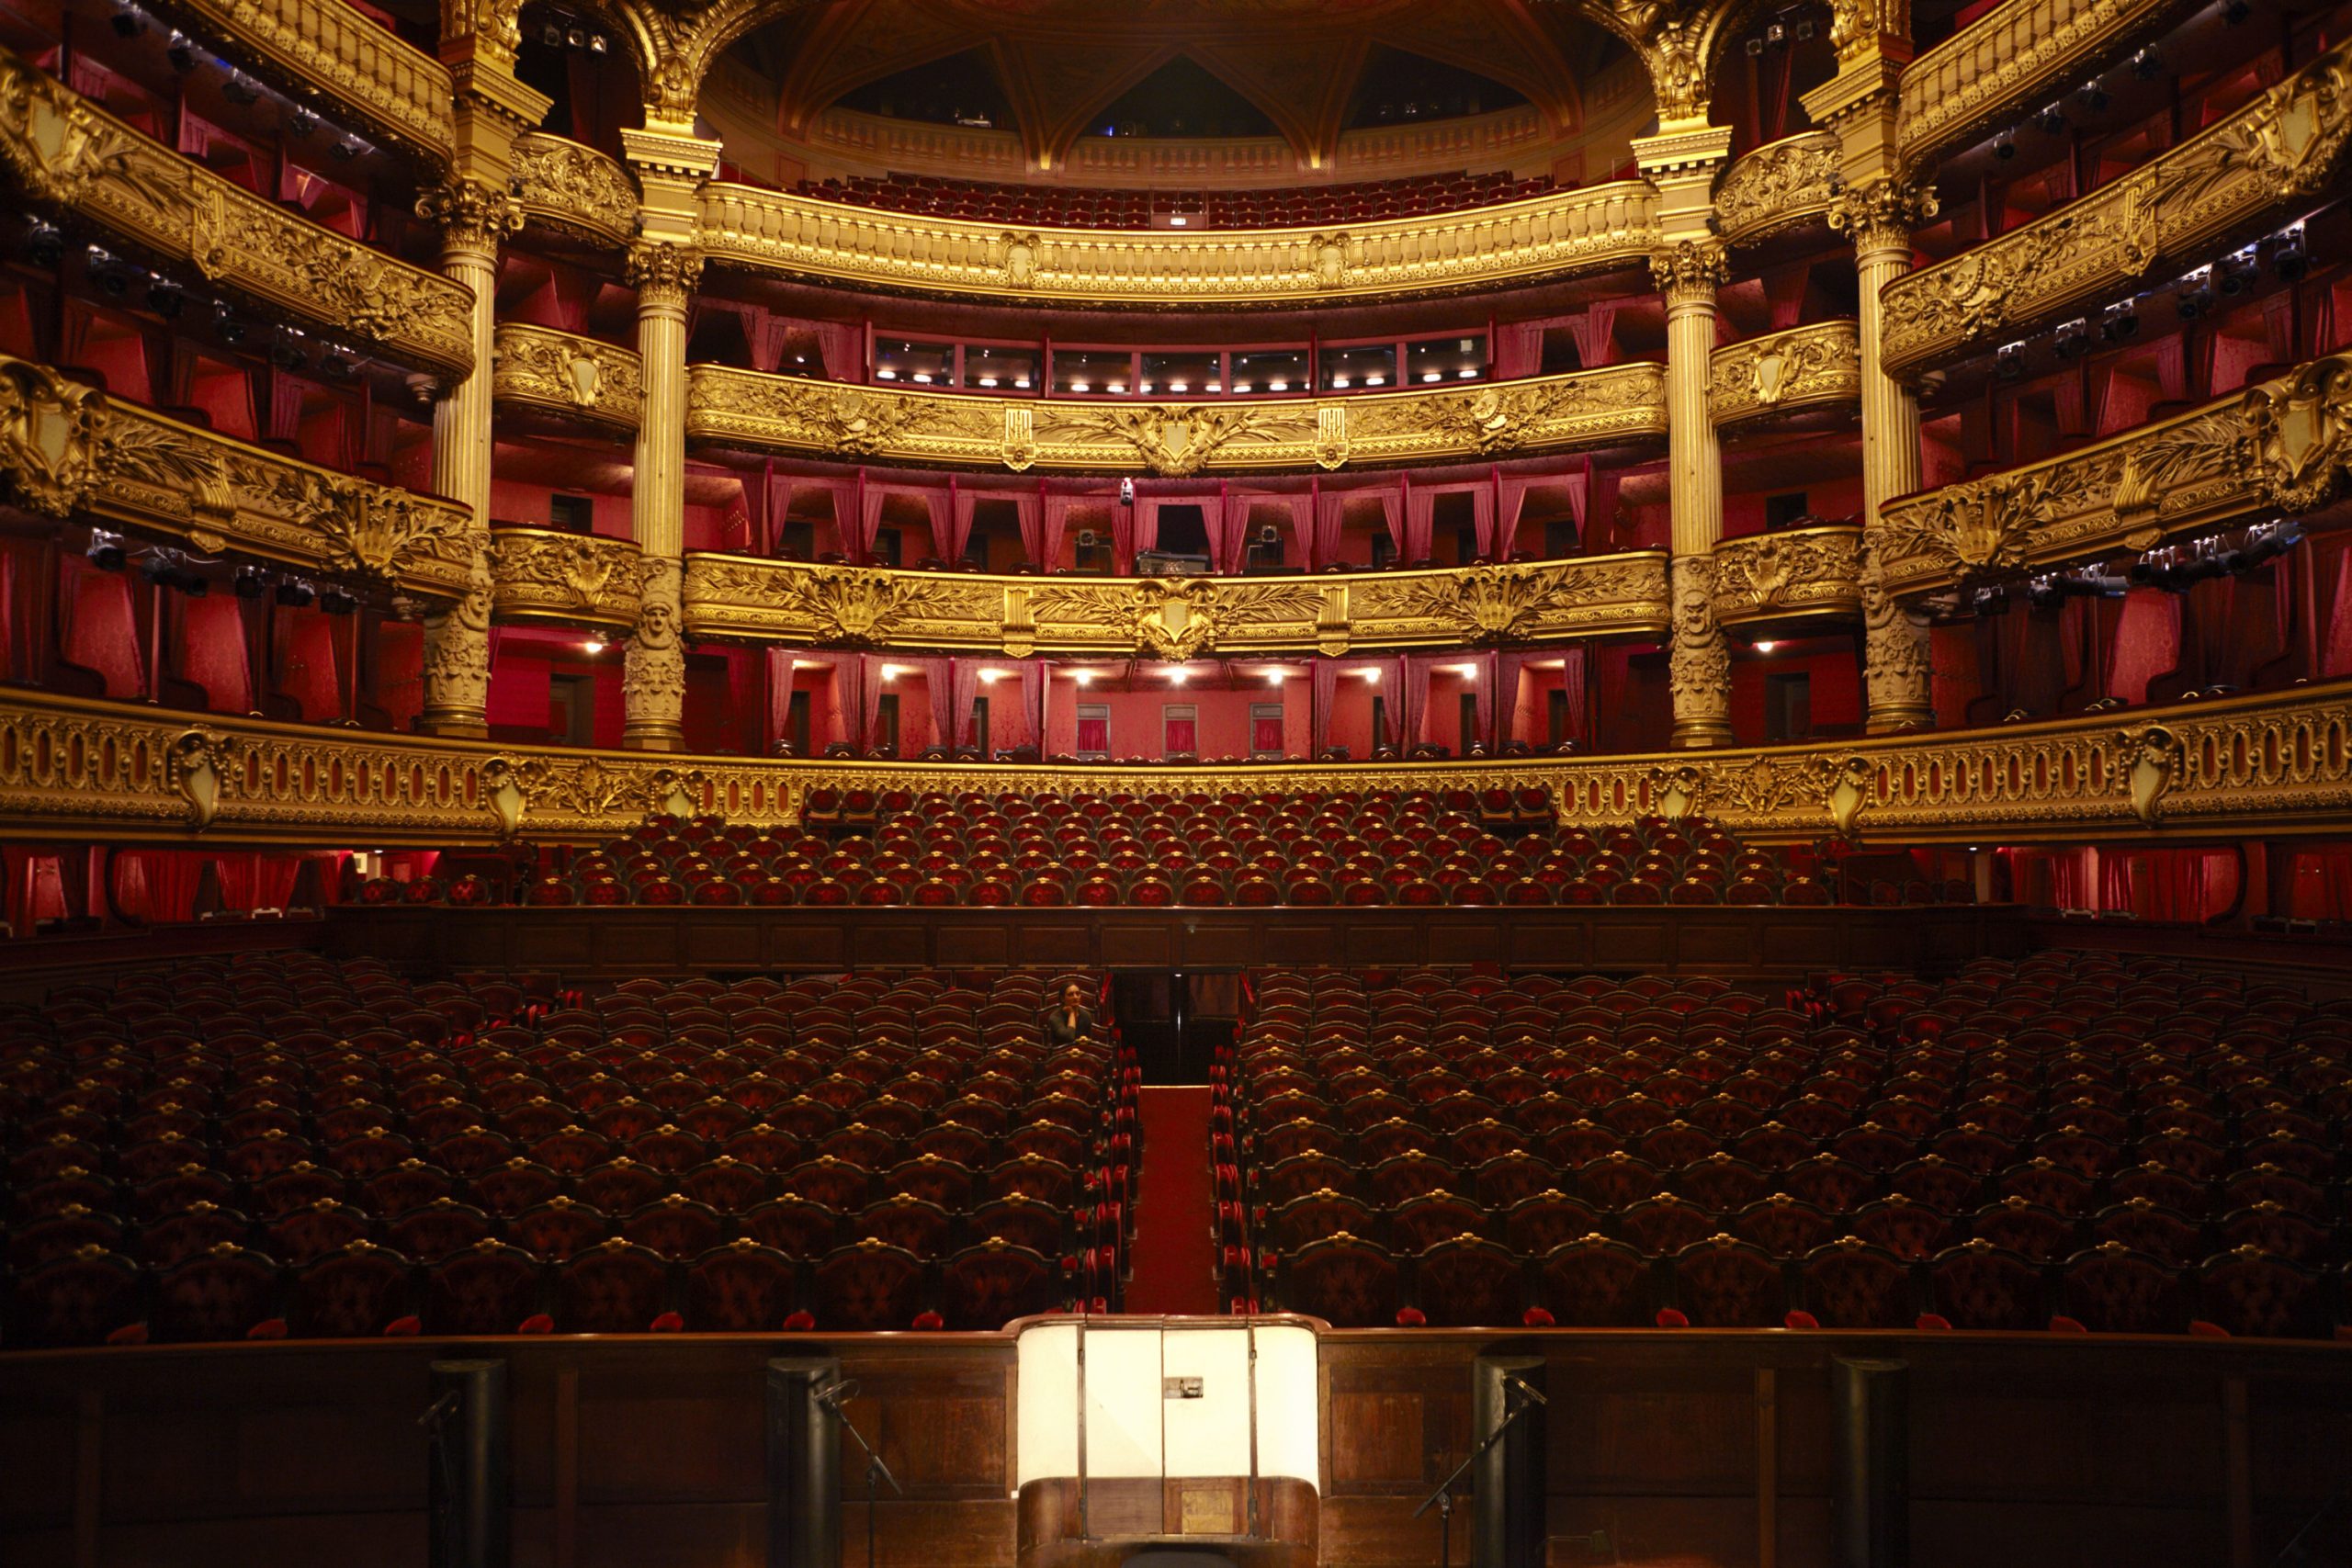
1219,784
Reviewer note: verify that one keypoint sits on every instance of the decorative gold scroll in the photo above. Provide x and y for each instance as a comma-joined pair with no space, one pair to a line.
573,189
1803,367
1583,408
1780,185
67,450
1559,234
67,157
571,376
2272,764
2279,446
1803,572
2183,206
544,574
1174,617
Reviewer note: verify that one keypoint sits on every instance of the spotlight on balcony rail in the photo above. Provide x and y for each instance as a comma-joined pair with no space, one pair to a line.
288,355
112,273
251,582
2236,11
181,53
44,243
296,593
301,122
226,322
2052,122
336,602
2008,361
2093,97
2193,295
2237,271
2287,257
2119,322
128,21
2147,65
165,298
1989,601
2004,146
240,89
104,550
2072,338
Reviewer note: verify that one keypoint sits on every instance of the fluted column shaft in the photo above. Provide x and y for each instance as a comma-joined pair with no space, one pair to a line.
1698,663
653,684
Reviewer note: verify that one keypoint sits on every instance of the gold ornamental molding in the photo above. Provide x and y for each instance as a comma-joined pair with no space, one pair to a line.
574,190
1803,367
2236,177
1561,234
1779,576
746,597
567,376
69,158
2278,764
546,574
67,450
1581,409
2280,446
333,56
1780,185
2015,59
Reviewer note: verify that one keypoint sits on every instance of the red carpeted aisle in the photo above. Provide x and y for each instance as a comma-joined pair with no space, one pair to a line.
1175,1246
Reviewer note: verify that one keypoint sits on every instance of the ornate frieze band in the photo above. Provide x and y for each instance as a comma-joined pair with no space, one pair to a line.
575,191
2262,165
1780,185
546,574
2015,59
2281,445
1804,368
567,376
1558,234
71,159
1173,617
1803,572
335,56
67,450
1581,409
2271,764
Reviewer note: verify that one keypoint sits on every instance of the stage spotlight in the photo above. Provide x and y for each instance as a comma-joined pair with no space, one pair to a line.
288,355
2093,97
251,582
2072,338
2193,295
226,323
2004,146
44,243
296,593
2237,271
240,90
336,602
128,21
301,122
2008,361
2287,257
2120,323
166,298
2050,121
104,550
181,53
2147,65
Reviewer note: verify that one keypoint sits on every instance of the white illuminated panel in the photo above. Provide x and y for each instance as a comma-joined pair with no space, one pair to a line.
1209,1436
1046,1404
1289,1442
1122,1402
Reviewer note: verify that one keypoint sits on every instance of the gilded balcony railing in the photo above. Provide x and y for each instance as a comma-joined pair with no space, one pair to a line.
1779,576
334,55
2265,163
68,450
1174,617
1808,367
567,376
2015,59
2281,445
1559,234
2269,764
574,189
1581,409
71,159
1780,185
546,574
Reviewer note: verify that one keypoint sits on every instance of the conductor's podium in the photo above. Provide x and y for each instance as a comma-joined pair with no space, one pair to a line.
1167,1442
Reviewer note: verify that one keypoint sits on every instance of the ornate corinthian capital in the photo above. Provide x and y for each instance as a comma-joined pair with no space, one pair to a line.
1879,215
1689,271
664,272
471,214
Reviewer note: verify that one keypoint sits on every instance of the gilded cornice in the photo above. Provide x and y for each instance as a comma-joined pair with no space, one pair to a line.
1803,367
67,450
2268,765
1782,185
1583,408
543,574
1560,234
1173,617
1803,572
68,157
2015,59
2237,176
2281,445
574,190
571,376
357,69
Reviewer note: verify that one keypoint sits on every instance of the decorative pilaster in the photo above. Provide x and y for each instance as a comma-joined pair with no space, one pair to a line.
1699,664
653,680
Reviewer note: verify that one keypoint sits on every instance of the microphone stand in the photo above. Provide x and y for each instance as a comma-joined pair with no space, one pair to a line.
874,1469
1443,1497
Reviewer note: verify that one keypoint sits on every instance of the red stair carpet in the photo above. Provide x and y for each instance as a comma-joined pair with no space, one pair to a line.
1175,1246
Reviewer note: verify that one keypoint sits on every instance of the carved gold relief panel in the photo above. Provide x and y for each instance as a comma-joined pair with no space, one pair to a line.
546,574
574,189
2244,173
69,451
1778,187
2276,763
72,159
1548,236
568,376
1173,617
1804,571
1553,413
1807,366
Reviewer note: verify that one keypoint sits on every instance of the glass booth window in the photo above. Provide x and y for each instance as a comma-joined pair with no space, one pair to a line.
924,364
1365,366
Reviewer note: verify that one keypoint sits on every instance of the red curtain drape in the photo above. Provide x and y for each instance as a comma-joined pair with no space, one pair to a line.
2320,884
35,886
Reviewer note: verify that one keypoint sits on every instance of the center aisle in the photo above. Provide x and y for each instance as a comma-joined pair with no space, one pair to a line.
1175,1249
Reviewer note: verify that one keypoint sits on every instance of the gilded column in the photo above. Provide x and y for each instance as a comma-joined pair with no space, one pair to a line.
1698,663
653,679
474,218
1896,665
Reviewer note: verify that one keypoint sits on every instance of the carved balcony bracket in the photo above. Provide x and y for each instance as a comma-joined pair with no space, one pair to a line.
1780,187
574,190
544,574
1776,577
1804,367
567,376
